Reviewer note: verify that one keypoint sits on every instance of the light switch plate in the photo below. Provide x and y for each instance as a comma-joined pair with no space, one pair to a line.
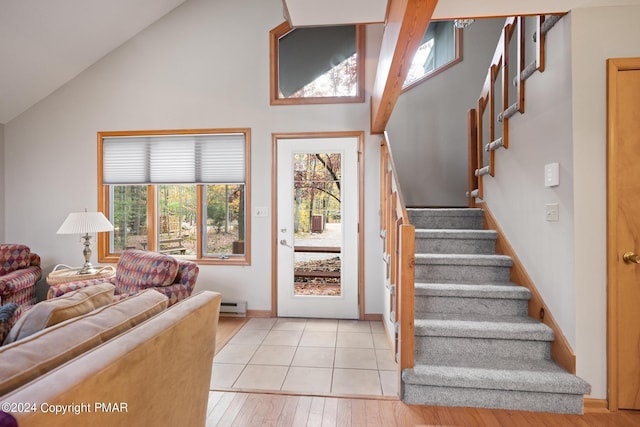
551,175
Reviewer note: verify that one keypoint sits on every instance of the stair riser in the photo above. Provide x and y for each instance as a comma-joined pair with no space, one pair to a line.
434,273
430,347
496,399
488,306
455,246
447,222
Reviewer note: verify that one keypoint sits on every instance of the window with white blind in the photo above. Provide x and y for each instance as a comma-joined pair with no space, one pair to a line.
185,193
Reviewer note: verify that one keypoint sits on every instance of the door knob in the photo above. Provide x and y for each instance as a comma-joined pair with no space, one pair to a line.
283,242
631,258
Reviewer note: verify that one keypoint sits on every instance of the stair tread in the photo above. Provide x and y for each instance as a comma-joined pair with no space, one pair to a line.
449,233
462,218
495,357
464,259
448,211
465,325
506,290
497,373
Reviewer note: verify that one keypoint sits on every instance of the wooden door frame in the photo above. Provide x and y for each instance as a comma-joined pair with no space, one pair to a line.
274,208
614,65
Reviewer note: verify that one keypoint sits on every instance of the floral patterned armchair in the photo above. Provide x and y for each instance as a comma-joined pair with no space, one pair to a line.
137,270
19,272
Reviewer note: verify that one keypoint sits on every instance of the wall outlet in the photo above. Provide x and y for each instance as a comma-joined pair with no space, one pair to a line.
552,212
262,211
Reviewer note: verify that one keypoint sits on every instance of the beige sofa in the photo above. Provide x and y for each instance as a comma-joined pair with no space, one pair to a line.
133,362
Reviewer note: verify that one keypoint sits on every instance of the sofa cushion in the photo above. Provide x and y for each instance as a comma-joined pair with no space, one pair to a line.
13,257
31,357
7,319
140,270
160,369
50,312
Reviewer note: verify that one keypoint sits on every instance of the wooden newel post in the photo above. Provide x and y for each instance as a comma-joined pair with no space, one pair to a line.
406,310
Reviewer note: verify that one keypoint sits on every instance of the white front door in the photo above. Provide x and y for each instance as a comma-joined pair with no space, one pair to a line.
317,227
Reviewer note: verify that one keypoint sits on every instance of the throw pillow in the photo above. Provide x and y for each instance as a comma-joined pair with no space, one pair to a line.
6,319
138,270
67,306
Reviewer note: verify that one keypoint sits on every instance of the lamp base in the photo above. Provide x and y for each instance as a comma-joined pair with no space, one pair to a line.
87,268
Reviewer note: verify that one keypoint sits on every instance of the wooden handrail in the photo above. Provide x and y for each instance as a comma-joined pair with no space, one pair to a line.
500,64
399,255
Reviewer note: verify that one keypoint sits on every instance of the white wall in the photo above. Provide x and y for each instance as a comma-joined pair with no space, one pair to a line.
2,183
565,122
428,127
205,65
458,8
517,195
590,50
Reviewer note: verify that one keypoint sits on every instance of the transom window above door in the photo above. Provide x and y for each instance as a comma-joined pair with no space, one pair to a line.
181,192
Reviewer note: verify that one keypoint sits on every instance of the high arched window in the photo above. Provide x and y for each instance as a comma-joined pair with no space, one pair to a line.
317,65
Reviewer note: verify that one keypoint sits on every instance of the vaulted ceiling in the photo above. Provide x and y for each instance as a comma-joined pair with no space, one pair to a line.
326,12
45,43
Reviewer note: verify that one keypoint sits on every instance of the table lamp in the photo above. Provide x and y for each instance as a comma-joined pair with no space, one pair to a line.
85,223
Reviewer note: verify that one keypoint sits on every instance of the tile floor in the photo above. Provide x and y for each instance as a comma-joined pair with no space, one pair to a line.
308,356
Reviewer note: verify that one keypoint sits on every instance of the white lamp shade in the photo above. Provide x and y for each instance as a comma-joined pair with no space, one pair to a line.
85,222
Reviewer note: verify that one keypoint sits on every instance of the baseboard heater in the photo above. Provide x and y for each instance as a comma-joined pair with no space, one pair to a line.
233,308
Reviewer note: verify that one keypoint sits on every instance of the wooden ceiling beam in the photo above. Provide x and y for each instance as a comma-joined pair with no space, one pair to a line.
407,21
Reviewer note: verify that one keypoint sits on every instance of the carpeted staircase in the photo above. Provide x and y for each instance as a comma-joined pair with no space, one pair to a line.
475,344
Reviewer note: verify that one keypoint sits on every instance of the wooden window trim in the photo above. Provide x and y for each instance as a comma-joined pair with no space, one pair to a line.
104,256
283,29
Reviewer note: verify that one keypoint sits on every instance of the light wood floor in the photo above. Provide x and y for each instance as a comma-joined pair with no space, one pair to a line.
227,328
263,409
255,409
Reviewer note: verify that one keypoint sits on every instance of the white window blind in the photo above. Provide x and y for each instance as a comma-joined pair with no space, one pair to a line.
173,159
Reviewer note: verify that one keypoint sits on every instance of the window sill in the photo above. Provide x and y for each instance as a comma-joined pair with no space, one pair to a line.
240,261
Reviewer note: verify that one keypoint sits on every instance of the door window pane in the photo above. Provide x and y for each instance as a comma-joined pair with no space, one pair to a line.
317,224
